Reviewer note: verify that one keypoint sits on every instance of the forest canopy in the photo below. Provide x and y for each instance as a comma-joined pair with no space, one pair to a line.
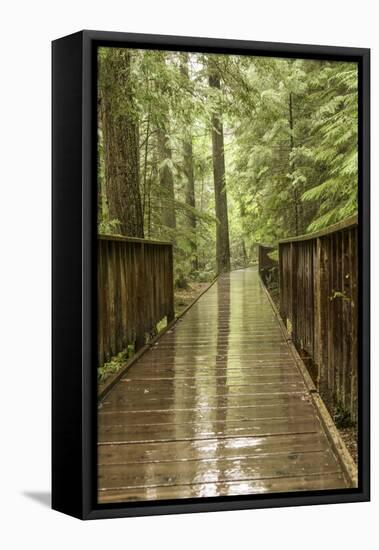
216,153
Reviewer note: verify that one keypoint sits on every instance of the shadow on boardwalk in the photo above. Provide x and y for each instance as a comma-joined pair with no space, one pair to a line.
217,407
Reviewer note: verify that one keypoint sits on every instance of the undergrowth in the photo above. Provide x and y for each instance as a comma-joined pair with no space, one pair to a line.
115,363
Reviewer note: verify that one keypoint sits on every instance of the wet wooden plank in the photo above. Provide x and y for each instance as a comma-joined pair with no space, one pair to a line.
120,401
220,375
205,430
268,369
284,381
225,361
224,448
246,487
217,470
242,414
188,389
217,407
221,355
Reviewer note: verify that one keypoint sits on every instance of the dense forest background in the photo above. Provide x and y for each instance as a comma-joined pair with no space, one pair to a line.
216,153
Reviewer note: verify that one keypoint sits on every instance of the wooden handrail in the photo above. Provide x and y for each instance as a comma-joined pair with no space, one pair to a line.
122,238
344,224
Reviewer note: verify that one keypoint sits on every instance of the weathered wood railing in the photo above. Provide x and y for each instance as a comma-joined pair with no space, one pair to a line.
318,302
135,291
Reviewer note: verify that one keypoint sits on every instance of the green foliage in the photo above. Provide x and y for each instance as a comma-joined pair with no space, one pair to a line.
337,294
290,135
336,145
108,227
115,364
274,255
342,417
181,280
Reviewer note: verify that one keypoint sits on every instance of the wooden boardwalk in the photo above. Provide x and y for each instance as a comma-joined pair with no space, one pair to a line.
217,407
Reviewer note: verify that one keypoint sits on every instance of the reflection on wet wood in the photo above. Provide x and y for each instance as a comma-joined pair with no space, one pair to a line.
209,470
312,482
224,448
217,407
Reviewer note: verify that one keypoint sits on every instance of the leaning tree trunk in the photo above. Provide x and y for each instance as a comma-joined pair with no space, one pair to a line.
221,206
189,174
121,142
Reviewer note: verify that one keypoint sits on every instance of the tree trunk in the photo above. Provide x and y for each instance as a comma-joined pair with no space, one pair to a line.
121,142
221,207
244,253
190,198
146,150
297,202
102,204
153,181
166,180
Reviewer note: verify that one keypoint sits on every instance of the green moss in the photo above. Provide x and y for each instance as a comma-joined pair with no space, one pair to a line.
115,364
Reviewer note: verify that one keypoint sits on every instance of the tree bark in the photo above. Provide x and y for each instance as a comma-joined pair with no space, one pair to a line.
221,206
102,203
166,180
153,179
297,203
121,142
146,149
190,197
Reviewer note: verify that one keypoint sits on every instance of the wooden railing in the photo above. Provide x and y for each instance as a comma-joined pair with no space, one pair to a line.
318,277
135,292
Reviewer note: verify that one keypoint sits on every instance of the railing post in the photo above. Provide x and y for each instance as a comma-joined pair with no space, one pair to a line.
100,303
171,308
281,282
321,269
111,300
354,319
141,301
292,314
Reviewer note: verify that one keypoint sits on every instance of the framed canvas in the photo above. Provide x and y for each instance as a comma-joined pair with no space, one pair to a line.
210,275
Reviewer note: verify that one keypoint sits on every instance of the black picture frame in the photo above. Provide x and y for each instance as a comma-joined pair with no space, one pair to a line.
74,273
